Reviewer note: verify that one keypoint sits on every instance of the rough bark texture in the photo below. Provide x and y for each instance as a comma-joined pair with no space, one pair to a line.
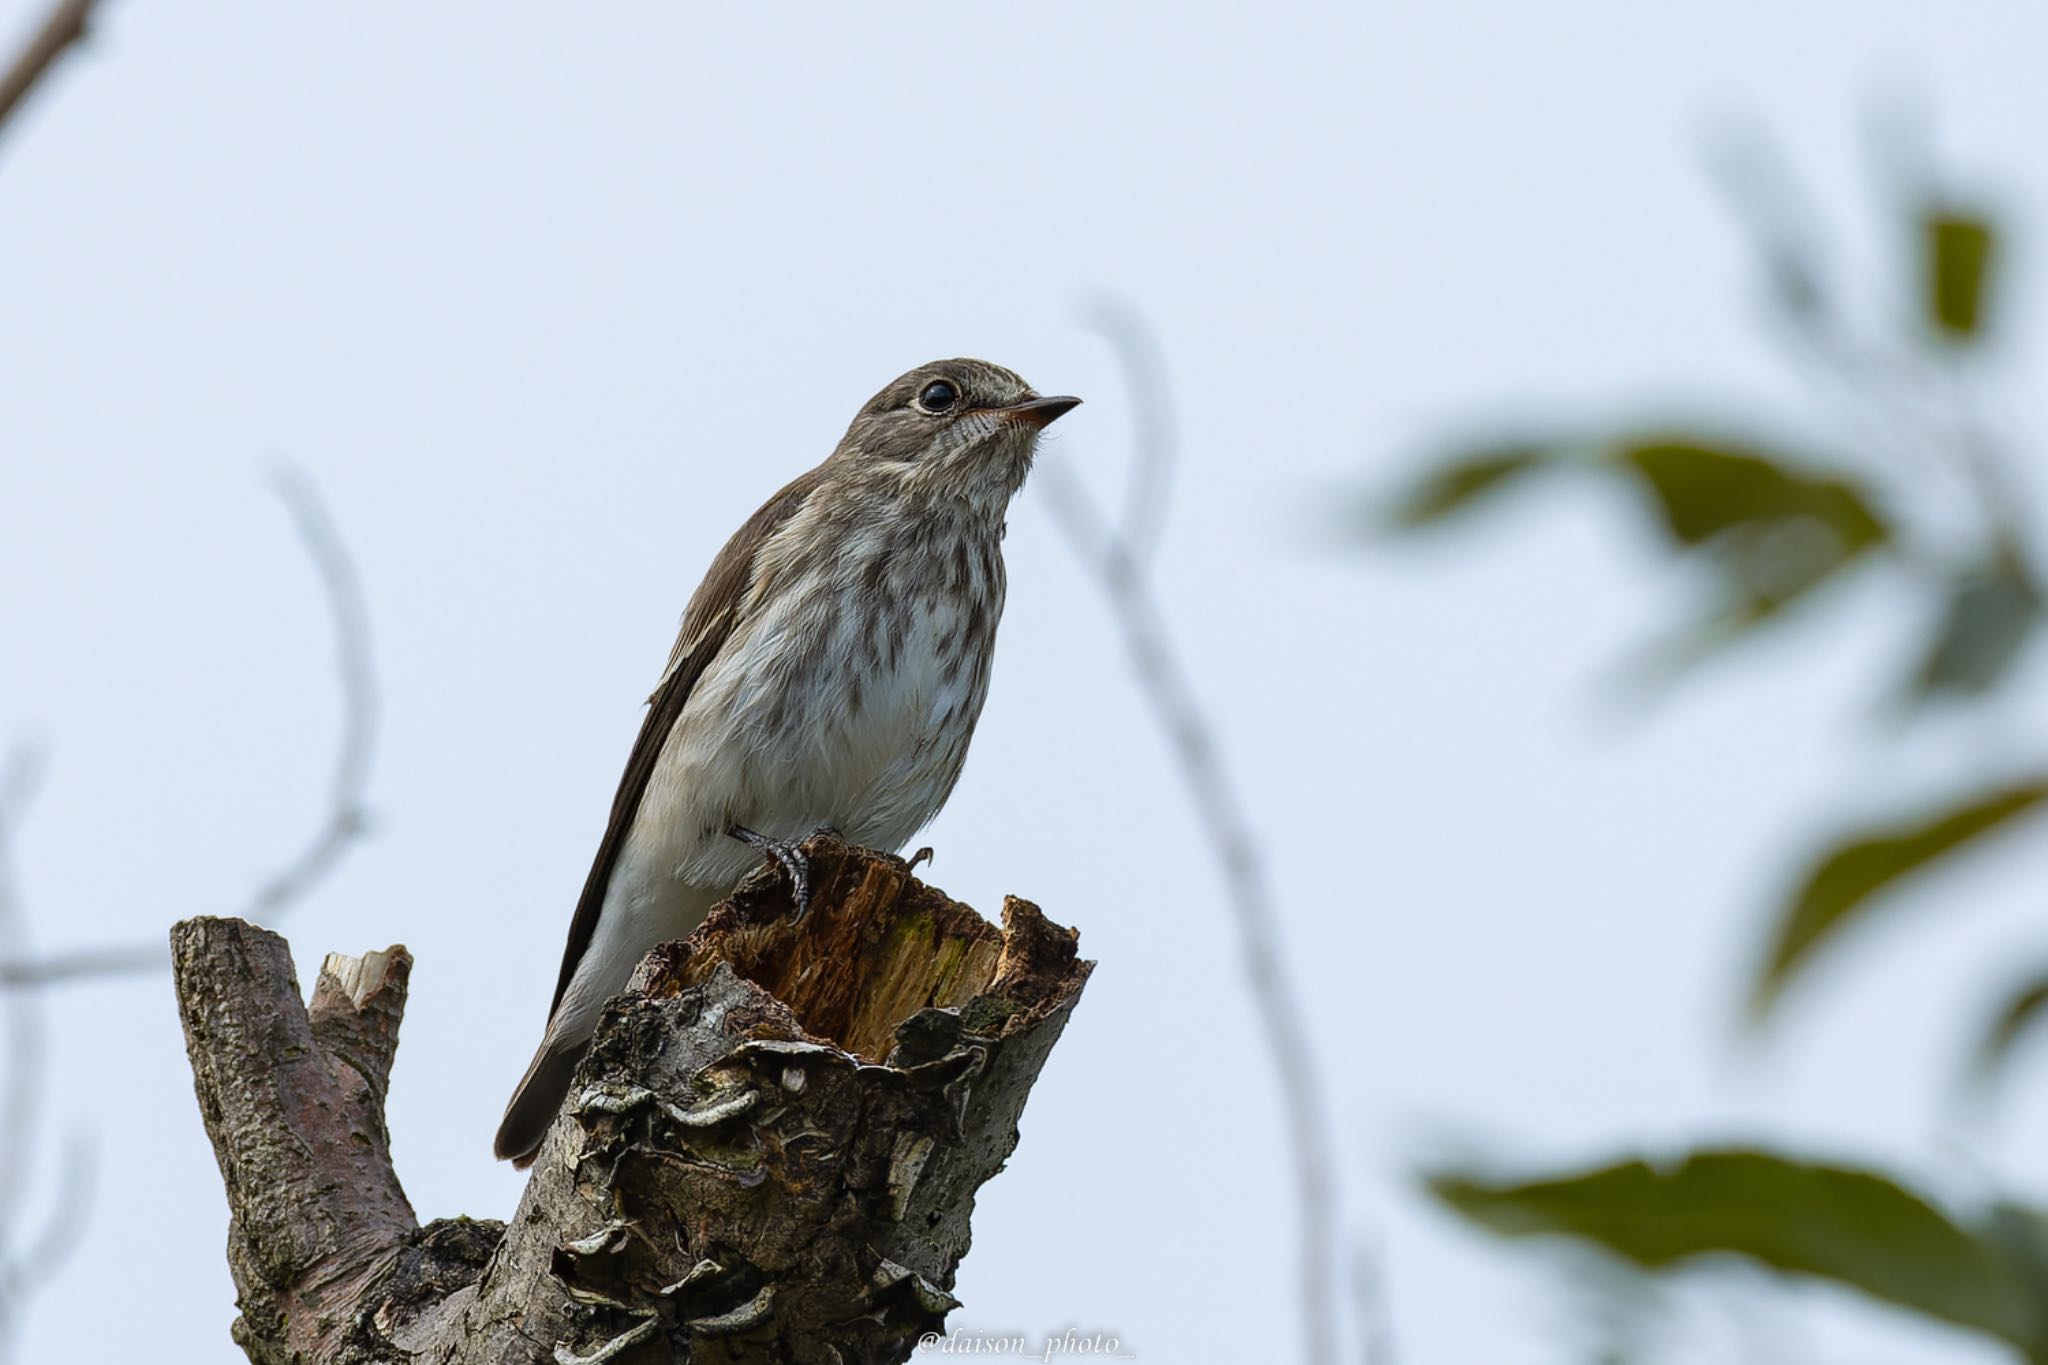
769,1154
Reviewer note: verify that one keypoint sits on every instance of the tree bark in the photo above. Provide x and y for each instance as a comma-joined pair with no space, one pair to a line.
769,1154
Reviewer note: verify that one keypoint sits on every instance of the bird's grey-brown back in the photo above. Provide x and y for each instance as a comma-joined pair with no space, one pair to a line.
829,671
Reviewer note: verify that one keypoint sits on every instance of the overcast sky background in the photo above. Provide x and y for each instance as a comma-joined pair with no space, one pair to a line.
548,301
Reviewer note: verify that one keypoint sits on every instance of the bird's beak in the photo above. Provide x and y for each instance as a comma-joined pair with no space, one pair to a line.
1039,412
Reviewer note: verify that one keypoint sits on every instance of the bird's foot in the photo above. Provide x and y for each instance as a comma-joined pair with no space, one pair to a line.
789,856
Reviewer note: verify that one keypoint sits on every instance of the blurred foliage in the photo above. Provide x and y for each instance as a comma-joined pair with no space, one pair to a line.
1771,529
1844,881
1852,1228
1990,613
1958,261
2027,1007
1457,484
1772,525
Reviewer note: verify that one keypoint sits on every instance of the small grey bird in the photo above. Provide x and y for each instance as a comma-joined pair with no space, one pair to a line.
829,673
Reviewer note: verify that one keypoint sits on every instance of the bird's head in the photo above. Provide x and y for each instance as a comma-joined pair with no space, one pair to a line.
951,429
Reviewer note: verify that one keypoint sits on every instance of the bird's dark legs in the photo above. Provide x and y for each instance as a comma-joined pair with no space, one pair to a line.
789,855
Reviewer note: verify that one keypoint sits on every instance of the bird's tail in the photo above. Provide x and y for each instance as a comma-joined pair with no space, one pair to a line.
536,1102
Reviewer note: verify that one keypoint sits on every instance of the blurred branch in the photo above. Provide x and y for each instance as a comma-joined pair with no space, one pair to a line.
27,1045
28,1269
344,819
346,809
1116,558
1371,1305
1155,442
118,960
1764,195
65,26
25,1268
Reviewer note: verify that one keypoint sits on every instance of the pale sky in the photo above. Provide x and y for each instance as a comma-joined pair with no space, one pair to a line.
547,302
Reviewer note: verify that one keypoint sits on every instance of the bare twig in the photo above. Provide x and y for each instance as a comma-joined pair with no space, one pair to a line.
122,960
23,1268
1370,1310
1155,436
344,819
346,811
65,26
1118,564
27,1045
31,1267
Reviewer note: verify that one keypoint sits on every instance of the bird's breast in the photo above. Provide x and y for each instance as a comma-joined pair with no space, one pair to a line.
849,695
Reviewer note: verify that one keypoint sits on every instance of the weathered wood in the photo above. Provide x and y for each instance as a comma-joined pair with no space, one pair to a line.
770,1152
315,1211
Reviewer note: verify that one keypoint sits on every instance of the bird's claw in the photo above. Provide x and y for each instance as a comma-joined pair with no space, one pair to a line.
789,856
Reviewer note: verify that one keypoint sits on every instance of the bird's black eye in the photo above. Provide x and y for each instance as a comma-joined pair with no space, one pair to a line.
938,396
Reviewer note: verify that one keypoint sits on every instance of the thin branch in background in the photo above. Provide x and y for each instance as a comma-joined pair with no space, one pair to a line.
27,1043
1155,436
1117,562
64,28
346,809
1766,198
344,820
1869,388
25,1268
1371,1302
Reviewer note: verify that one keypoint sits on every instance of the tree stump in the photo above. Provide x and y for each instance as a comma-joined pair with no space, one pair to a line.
770,1152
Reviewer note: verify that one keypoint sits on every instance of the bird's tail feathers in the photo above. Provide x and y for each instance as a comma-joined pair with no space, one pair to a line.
536,1102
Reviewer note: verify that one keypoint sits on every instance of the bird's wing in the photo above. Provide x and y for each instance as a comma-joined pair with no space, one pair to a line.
707,625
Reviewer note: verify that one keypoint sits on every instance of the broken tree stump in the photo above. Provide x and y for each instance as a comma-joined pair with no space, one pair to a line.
770,1152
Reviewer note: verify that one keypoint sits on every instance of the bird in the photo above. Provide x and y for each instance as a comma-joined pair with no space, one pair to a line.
828,674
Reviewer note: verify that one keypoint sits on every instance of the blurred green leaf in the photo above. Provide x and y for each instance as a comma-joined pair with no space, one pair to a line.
1772,530
1704,489
2021,1234
1841,884
1958,249
1852,1228
2025,1009
1456,484
1986,622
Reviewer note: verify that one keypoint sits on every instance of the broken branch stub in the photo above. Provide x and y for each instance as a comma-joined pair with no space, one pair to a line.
770,1152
